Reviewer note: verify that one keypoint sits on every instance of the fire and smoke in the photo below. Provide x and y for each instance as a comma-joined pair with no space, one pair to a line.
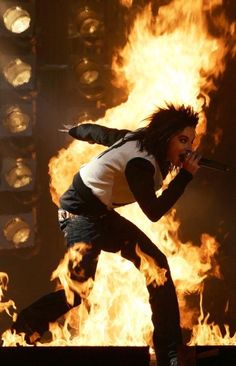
168,58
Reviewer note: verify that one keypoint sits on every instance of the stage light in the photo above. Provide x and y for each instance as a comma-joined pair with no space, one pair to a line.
17,72
17,174
17,230
15,120
16,19
87,71
90,76
90,26
17,115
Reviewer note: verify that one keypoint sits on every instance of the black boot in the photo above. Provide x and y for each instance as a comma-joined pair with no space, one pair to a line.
21,326
35,319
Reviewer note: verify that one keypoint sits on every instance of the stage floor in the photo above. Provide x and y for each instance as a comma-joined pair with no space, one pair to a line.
113,356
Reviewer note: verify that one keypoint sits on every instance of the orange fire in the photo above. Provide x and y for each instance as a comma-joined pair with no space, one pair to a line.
5,306
171,58
126,3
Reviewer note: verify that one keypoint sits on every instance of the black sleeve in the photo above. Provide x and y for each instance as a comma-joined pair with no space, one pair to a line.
94,133
140,176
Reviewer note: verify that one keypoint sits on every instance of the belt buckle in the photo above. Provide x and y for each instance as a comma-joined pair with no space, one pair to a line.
62,214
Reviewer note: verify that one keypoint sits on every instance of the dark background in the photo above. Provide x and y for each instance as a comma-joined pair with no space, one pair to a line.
209,205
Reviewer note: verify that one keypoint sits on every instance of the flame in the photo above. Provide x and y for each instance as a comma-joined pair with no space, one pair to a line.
105,316
151,271
5,306
218,136
168,58
172,58
126,3
67,266
190,264
205,333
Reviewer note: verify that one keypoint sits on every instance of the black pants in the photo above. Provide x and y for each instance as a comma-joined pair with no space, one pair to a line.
113,233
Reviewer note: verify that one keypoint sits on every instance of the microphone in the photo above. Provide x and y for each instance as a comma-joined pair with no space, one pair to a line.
208,163
212,164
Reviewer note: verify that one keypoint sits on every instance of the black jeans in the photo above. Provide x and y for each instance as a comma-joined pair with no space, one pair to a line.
112,232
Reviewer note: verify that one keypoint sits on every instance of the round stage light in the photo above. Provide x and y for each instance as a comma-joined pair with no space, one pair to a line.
17,231
87,72
17,72
19,176
15,120
90,26
16,19
89,77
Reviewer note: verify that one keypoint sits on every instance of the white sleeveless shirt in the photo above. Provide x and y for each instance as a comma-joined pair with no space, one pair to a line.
105,174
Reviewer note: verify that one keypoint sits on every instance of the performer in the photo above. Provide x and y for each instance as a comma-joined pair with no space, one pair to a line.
131,169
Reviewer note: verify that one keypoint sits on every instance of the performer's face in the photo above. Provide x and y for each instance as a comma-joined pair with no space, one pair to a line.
179,145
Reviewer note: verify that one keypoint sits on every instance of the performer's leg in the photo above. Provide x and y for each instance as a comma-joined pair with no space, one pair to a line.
114,233
47,309
167,336
36,317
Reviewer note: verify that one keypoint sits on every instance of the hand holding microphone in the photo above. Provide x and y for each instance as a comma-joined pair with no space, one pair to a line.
194,158
191,161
